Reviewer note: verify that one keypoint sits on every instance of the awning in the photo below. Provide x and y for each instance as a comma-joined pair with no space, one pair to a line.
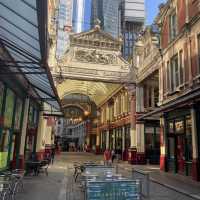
23,31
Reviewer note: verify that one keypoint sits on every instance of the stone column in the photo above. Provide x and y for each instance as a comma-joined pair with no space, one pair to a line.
123,144
107,139
163,143
23,133
195,161
140,143
98,141
123,138
114,136
40,146
133,121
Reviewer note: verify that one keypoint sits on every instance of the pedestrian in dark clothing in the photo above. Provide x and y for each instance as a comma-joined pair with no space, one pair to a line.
113,155
52,155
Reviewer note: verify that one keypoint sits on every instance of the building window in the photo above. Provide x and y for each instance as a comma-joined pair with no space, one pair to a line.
173,25
1,95
150,96
168,76
198,42
174,73
181,67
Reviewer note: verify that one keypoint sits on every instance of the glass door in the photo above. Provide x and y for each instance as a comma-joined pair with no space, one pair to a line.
180,145
171,154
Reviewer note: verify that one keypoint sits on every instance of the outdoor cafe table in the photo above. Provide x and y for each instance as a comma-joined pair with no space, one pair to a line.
5,184
33,166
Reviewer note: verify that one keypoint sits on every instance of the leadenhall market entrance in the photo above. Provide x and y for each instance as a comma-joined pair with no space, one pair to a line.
179,142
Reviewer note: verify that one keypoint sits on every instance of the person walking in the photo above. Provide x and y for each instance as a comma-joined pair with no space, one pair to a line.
107,156
113,155
52,155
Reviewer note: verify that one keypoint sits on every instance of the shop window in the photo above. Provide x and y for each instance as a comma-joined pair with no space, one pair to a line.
156,96
30,116
1,95
35,118
188,138
8,115
171,127
127,137
4,148
171,148
198,43
18,114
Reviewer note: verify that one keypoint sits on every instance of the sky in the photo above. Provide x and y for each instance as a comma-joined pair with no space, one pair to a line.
152,9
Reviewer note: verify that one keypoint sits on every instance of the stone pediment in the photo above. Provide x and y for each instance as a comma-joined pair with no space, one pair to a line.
95,55
96,38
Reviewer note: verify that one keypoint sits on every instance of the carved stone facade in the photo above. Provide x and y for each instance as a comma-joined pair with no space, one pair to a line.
146,58
94,55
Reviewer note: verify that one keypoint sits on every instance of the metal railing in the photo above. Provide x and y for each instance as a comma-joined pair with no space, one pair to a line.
145,181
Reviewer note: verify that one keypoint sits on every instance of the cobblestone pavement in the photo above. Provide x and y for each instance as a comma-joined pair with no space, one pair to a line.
59,185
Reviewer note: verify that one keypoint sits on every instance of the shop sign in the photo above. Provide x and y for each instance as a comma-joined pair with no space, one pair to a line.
179,126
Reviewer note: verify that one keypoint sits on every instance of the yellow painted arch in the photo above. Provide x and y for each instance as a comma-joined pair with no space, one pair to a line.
97,91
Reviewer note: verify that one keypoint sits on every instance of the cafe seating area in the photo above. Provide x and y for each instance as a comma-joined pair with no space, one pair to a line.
11,181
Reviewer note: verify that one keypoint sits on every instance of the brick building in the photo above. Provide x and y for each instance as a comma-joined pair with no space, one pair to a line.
179,92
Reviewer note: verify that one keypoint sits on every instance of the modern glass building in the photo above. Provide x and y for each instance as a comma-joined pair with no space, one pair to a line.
64,26
107,11
132,14
81,15
118,17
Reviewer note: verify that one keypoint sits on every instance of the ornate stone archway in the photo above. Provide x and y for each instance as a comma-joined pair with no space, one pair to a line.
93,66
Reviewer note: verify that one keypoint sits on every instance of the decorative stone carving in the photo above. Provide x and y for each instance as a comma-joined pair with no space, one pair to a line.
95,56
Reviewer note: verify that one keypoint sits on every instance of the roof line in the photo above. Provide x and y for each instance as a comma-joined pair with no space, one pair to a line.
9,22
13,11
14,35
17,49
42,20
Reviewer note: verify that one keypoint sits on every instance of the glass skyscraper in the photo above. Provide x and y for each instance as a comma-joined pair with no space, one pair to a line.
81,15
64,26
132,14
120,17
107,11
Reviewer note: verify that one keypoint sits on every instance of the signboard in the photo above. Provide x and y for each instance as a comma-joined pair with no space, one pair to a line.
113,190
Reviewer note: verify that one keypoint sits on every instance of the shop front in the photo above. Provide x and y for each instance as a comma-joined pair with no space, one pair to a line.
11,116
103,140
179,143
31,135
152,142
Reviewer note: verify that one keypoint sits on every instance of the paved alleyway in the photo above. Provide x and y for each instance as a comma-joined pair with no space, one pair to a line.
54,186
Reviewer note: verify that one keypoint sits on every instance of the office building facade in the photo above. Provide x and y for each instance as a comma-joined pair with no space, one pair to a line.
64,26
107,11
120,17
81,15
132,17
